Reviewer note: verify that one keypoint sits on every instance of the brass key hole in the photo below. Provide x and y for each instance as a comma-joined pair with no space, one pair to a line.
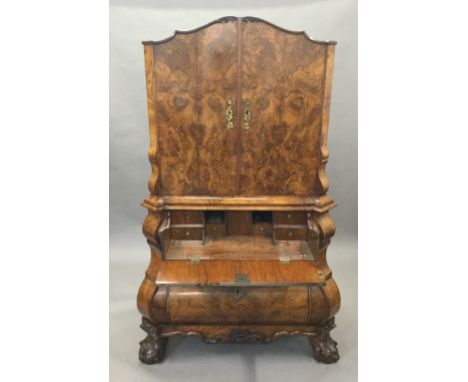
238,293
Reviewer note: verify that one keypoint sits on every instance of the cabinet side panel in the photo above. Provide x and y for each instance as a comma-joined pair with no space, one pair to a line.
195,78
283,80
323,184
150,90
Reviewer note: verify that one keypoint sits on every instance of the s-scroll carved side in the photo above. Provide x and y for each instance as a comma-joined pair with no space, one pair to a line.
151,225
322,229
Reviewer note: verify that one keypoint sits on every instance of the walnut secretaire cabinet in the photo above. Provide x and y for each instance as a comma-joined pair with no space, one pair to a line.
238,221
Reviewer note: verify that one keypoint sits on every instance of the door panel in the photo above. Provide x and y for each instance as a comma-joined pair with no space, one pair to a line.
195,73
282,77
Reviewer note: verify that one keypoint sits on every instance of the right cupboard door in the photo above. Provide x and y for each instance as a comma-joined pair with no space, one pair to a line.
281,91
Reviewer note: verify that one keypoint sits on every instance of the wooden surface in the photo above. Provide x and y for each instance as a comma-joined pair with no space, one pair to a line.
195,75
285,77
282,76
220,305
239,203
225,271
234,247
243,278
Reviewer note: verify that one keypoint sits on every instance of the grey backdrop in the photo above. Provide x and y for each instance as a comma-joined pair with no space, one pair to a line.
132,21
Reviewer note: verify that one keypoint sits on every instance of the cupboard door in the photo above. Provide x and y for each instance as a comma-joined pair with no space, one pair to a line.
282,84
195,75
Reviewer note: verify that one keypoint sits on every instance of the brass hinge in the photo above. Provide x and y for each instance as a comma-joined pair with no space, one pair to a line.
195,260
285,259
320,276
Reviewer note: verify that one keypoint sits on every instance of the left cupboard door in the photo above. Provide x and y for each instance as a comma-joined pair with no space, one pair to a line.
195,78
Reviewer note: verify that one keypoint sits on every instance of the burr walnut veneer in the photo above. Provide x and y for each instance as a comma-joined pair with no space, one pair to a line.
238,221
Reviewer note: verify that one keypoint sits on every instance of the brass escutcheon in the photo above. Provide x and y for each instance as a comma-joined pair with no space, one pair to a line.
238,292
247,114
229,114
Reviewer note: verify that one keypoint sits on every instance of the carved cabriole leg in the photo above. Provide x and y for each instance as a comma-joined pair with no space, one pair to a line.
324,348
153,347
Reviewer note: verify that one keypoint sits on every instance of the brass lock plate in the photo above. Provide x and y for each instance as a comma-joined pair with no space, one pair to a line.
238,292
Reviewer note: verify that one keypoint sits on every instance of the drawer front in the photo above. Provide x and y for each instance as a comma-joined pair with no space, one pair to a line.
262,229
223,305
187,232
290,217
291,232
215,229
186,217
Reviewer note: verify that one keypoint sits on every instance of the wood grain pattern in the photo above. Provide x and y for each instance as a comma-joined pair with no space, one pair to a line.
204,304
231,279
287,79
153,154
290,218
330,57
195,75
186,217
217,305
225,271
238,223
282,76
254,247
240,203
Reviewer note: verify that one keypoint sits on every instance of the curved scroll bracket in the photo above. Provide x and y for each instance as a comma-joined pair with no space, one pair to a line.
323,229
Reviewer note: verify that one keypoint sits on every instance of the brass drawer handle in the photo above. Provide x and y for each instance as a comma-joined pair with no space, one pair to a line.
247,114
229,114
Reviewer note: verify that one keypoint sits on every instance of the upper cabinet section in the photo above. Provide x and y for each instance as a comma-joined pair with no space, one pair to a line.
238,107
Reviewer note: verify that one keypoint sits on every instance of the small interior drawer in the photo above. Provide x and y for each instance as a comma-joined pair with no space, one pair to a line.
290,217
290,232
215,230
187,232
263,229
186,217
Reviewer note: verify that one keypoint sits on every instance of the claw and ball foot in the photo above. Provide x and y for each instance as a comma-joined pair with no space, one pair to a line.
324,348
153,347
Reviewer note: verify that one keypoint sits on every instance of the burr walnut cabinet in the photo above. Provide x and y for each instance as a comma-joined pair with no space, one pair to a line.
238,221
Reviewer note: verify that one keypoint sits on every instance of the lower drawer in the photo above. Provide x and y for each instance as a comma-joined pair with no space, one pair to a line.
223,305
